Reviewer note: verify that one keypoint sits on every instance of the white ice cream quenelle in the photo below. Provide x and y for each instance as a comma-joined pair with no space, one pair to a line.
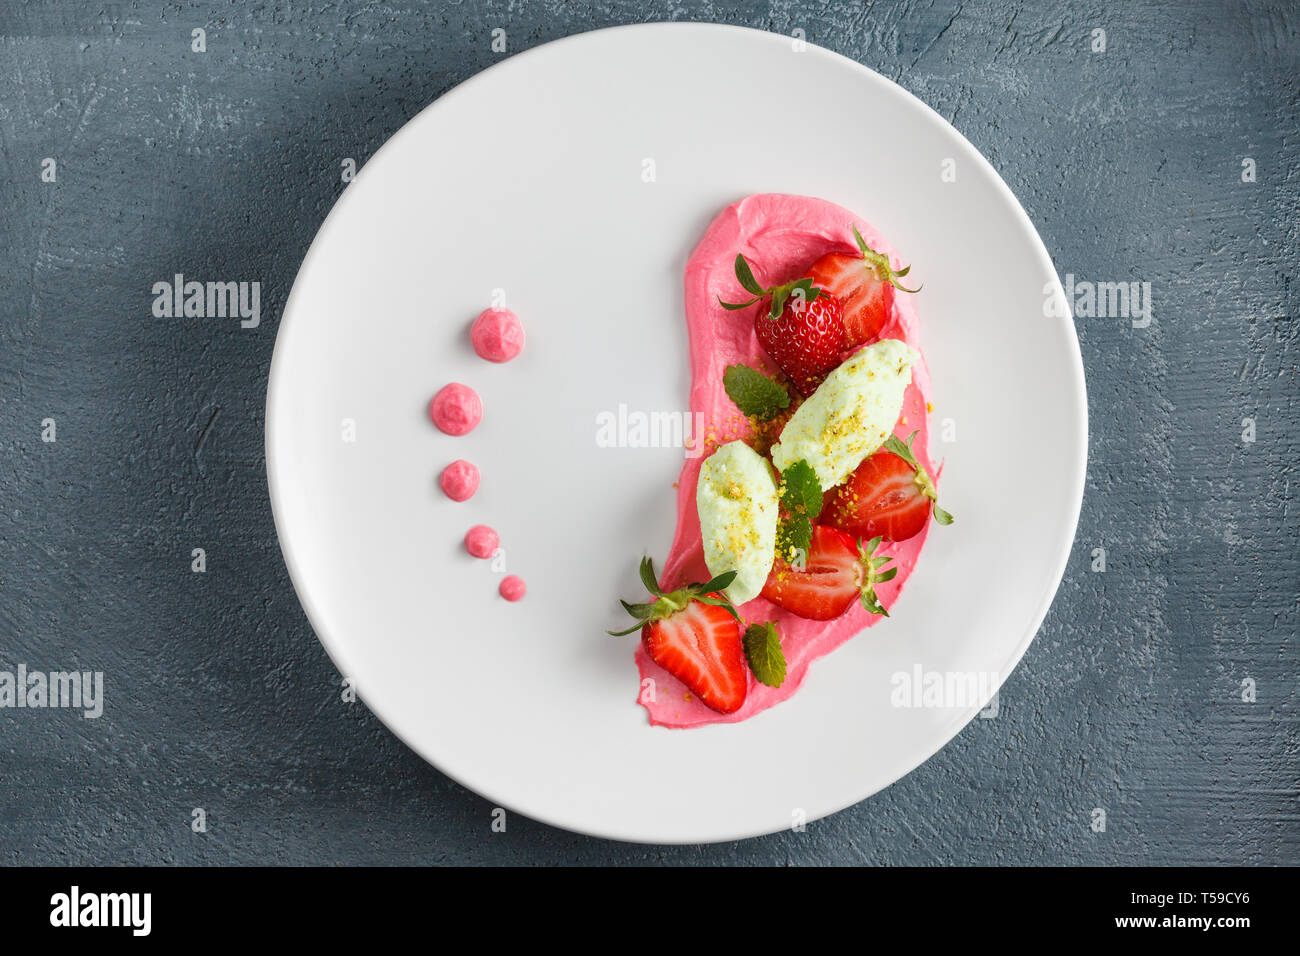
851,413
736,499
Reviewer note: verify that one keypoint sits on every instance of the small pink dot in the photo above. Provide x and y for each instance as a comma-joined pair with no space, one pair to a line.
481,541
513,588
456,409
459,480
497,335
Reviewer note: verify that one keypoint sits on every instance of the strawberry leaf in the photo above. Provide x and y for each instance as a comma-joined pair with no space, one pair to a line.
880,263
665,605
764,653
719,602
754,393
745,276
779,295
871,577
648,578
806,291
895,446
872,605
719,583
862,243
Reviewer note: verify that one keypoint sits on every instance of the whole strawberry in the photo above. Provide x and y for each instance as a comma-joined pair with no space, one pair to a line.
802,330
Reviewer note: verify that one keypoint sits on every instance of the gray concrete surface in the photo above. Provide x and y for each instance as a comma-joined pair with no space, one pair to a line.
224,163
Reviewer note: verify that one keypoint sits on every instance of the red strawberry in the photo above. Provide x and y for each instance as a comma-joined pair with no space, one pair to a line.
865,286
836,573
694,634
802,330
805,341
889,494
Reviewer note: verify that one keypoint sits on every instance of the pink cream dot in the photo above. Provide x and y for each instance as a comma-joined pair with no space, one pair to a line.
513,588
459,480
481,541
497,335
456,409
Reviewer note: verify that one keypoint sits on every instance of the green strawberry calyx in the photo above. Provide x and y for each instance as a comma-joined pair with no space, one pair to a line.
668,603
872,575
879,263
923,480
802,290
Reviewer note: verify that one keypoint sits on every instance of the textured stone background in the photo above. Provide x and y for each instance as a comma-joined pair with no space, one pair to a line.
224,163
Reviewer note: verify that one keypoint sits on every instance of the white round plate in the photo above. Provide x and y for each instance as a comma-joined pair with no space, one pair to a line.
576,178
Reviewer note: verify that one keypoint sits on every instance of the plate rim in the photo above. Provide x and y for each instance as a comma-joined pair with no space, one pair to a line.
333,646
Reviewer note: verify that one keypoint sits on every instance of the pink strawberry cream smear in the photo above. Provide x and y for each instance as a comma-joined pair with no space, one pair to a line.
456,409
781,236
497,335
459,480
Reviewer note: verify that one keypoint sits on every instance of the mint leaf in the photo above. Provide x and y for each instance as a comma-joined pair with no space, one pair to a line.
763,651
793,539
801,499
801,492
753,392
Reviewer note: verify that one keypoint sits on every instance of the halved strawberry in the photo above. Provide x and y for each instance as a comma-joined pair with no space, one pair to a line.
835,573
694,634
802,330
865,286
889,494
